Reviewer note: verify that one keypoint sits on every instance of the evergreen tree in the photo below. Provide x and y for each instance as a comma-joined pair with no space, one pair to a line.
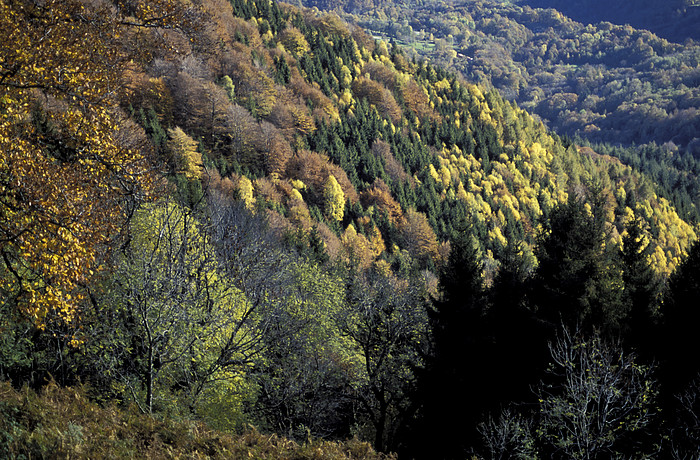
681,320
519,337
451,387
578,282
641,287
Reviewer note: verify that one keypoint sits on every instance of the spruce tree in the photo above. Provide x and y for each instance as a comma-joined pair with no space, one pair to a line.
451,385
641,287
577,283
681,319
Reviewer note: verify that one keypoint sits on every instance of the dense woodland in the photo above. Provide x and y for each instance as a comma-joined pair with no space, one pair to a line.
675,20
234,214
596,80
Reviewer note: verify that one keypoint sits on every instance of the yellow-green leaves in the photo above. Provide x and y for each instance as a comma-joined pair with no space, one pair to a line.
334,199
183,150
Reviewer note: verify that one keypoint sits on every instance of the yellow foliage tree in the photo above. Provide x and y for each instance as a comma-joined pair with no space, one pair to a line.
334,199
418,237
357,248
183,150
67,157
294,41
245,188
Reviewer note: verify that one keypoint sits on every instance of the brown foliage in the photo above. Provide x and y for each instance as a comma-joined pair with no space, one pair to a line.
141,91
381,73
254,87
220,27
215,182
313,169
418,102
362,38
241,136
276,149
331,24
331,242
305,91
65,423
199,106
380,197
379,96
268,190
279,224
418,237
392,167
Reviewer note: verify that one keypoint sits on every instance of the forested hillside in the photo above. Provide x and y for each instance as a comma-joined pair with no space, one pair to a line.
601,81
249,213
675,20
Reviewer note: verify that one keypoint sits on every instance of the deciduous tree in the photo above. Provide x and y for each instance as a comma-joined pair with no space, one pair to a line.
602,396
334,199
63,169
170,318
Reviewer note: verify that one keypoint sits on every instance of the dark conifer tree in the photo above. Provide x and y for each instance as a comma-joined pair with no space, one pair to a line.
452,386
520,339
641,289
681,322
576,284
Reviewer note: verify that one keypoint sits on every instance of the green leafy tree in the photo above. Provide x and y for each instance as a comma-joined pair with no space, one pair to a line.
510,436
169,318
304,379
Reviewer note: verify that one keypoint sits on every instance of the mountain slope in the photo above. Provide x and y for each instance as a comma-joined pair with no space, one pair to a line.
674,20
603,82
304,195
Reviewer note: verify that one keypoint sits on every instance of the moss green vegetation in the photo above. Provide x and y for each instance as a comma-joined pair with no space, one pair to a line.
65,423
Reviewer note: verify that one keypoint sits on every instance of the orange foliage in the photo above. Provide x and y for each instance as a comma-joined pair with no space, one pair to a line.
67,155
380,197
379,96
313,169
418,102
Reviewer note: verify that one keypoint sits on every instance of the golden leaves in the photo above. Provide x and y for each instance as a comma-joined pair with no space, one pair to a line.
65,158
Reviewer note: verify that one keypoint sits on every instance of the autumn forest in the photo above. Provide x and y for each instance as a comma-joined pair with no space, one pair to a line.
345,230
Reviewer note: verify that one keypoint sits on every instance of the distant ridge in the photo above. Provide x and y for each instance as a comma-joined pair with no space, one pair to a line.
675,20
